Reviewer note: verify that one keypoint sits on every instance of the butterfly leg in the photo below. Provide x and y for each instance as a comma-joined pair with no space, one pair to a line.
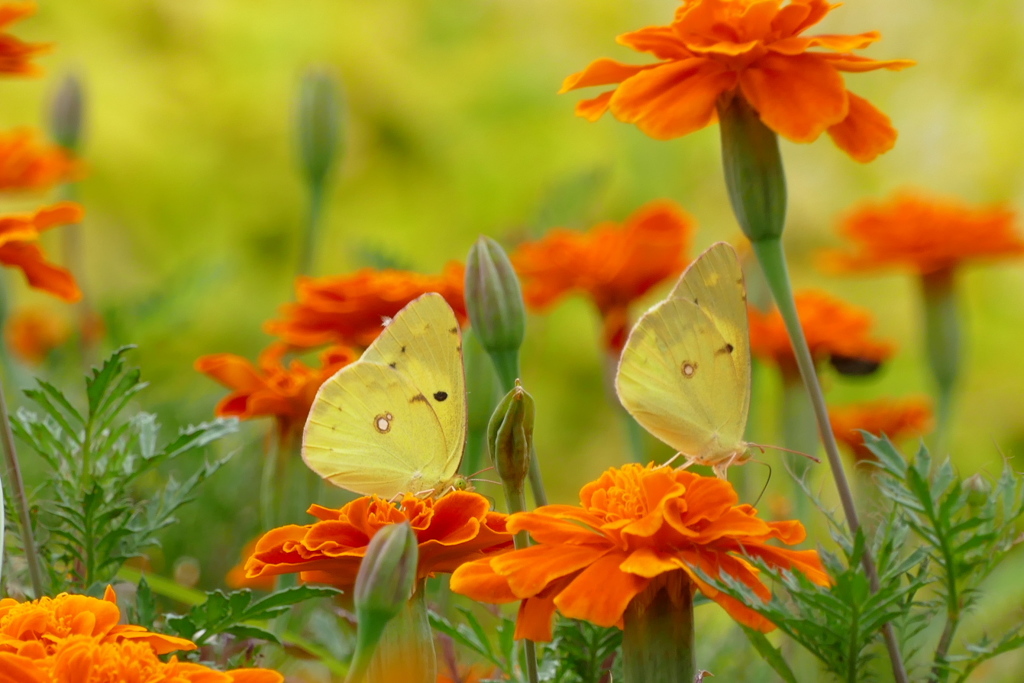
722,468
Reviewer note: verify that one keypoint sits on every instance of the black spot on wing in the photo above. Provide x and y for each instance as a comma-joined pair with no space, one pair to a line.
440,396
393,366
419,397
728,348
403,349
454,330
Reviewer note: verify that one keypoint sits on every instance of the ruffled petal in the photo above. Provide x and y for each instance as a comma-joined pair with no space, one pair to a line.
534,619
649,562
479,581
865,133
594,108
531,569
602,71
601,592
840,43
661,41
40,273
856,64
798,97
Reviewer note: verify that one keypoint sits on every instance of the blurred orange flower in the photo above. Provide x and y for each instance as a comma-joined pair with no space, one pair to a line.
15,55
32,333
269,388
636,526
474,674
236,577
35,629
894,419
80,659
452,529
350,309
18,234
924,235
717,49
613,264
28,164
834,329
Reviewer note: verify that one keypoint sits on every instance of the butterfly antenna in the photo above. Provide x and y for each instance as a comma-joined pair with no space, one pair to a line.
480,472
766,481
489,481
761,447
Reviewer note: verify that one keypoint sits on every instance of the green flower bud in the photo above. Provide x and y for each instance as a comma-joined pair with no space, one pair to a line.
978,490
66,113
319,120
753,171
510,437
494,302
387,575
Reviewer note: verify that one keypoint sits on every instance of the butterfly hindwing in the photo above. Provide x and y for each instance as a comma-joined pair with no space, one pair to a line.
395,420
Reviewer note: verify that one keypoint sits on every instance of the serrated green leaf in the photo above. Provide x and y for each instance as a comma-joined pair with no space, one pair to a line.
771,654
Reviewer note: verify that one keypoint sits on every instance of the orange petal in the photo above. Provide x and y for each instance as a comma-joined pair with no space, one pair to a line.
479,581
855,64
840,43
602,71
594,108
661,41
648,563
672,99
534,620
39,273
796,17
601,592
15,669
531,569
865,132
797,97
254,676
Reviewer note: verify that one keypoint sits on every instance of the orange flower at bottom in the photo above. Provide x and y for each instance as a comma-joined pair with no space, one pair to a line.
453,529
18,234
834,329
894,419
637,525
612,264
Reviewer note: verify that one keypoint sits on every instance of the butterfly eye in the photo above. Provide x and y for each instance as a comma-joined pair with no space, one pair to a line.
383,422
440,396
689,369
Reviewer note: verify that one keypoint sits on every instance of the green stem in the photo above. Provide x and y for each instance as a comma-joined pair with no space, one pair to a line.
634,432
773,262
312,229
405,649
942,340
799,433
515,499
658,639
507,367
269,492
17,486
71,254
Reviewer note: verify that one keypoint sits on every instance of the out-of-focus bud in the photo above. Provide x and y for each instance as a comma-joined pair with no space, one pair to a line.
387,575
67,113
494,302
978,490
510,436
187,572
319,122
753,171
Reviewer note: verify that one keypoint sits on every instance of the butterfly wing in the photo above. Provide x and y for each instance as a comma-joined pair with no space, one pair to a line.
684,373
395,420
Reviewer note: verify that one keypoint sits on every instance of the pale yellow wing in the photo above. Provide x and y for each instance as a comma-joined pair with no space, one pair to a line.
684,373
395,420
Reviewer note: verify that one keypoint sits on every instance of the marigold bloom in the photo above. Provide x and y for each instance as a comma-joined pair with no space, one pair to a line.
636,525
34,629
28,164
612,264
350,309
32,333
236,578
269,388
80,659
896,419
18,234
15,55
715,49
452,529
833,329
924,235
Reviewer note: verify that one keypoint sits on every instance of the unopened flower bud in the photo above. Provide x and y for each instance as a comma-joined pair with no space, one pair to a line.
494,302
67,113
387,575
510,436
319,125
978,490
753,171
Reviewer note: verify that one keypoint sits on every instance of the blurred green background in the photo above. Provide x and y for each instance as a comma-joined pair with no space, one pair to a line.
195,207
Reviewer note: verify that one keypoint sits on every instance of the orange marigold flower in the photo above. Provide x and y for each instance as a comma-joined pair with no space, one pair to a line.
18,234
269,388
350,309
80,659
637,525
28,164
834,329
236,577
32,333
894,419
613,264
715,49
452,529
15,55
35,629
925,235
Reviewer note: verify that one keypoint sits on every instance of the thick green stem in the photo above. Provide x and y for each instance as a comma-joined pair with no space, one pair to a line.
312,228
773,262
17,487
515,499
658,634
634,432
942,340
400,650
507,366
269,483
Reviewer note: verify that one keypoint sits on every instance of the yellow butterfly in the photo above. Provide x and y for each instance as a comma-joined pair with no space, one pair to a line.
394,421
684,373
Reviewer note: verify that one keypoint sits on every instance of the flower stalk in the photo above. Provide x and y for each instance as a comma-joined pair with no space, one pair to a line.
756,183
942,339
658,640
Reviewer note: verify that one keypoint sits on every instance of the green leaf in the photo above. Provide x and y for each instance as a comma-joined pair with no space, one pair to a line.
770,654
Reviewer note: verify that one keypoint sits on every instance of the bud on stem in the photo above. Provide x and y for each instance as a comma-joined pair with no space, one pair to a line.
942,337
67,113
494,302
